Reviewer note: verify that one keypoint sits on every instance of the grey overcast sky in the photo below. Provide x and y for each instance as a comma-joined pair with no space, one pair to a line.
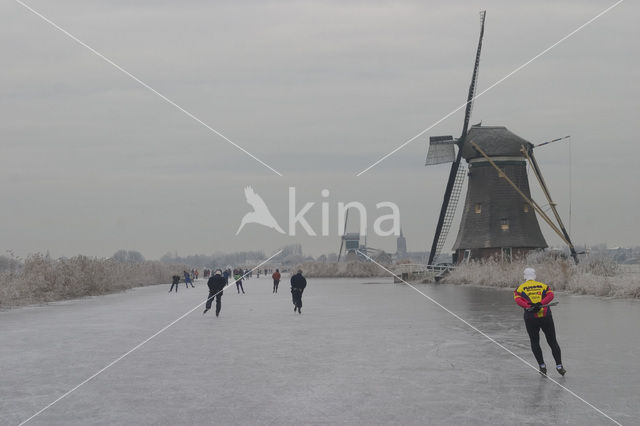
92,162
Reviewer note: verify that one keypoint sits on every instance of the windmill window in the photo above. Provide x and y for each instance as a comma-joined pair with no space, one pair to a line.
504,224
525,208
478,208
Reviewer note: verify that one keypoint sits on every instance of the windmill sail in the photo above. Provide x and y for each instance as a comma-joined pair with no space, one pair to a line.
451,210
445,210
344,233
440,150
472,86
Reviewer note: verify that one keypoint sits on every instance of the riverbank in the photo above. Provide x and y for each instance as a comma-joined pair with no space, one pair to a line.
42,280
598,277
341,270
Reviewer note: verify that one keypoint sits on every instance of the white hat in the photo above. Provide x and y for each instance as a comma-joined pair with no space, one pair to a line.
529,274
218,272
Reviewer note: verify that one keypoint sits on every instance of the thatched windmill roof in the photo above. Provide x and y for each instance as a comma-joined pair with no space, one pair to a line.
495,141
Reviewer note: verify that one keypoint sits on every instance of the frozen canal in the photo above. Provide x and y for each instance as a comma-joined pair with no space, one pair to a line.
363,352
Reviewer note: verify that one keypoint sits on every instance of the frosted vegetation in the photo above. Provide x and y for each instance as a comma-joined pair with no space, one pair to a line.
41,279
598,276
341,270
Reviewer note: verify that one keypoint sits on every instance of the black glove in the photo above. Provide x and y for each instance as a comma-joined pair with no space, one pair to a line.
535,307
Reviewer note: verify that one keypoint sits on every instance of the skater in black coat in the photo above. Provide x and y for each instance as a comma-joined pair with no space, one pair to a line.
216,284
175,282
298,284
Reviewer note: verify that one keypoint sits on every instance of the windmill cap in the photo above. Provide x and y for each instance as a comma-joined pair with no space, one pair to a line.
494,141
529,274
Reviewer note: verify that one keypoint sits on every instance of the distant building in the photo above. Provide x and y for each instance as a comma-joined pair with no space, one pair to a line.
404,256
401,245
412,257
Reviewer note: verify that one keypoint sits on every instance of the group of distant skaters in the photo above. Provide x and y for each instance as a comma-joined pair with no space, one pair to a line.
220,280
189,277
247,273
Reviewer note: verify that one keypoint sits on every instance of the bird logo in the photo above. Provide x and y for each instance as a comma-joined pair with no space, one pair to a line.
260,214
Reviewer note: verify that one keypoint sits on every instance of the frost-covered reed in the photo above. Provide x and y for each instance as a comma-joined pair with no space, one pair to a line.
41,279
595,276
340,270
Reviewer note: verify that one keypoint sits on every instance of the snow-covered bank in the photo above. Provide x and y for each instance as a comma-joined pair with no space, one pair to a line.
341,270
599,277
42,279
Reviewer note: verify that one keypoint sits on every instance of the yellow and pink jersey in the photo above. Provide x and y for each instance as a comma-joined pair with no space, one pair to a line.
531,292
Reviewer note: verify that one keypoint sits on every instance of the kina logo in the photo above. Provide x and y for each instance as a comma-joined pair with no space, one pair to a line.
297,216
260,214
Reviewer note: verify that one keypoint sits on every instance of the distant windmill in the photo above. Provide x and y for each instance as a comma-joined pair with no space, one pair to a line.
350,241
353,250
499,216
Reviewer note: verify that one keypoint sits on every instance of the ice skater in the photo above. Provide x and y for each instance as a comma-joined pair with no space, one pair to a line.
175,282
237,275
276,280
216,284
534,297
187,280
298,284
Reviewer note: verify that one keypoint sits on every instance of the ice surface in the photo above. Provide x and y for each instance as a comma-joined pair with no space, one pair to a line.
360,353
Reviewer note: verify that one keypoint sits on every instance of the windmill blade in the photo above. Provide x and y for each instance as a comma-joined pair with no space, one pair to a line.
344,232
446,211
451,209
440,150
474,79
346,219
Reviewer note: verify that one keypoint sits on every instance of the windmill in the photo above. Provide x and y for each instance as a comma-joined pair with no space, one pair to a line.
499,215
350,241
